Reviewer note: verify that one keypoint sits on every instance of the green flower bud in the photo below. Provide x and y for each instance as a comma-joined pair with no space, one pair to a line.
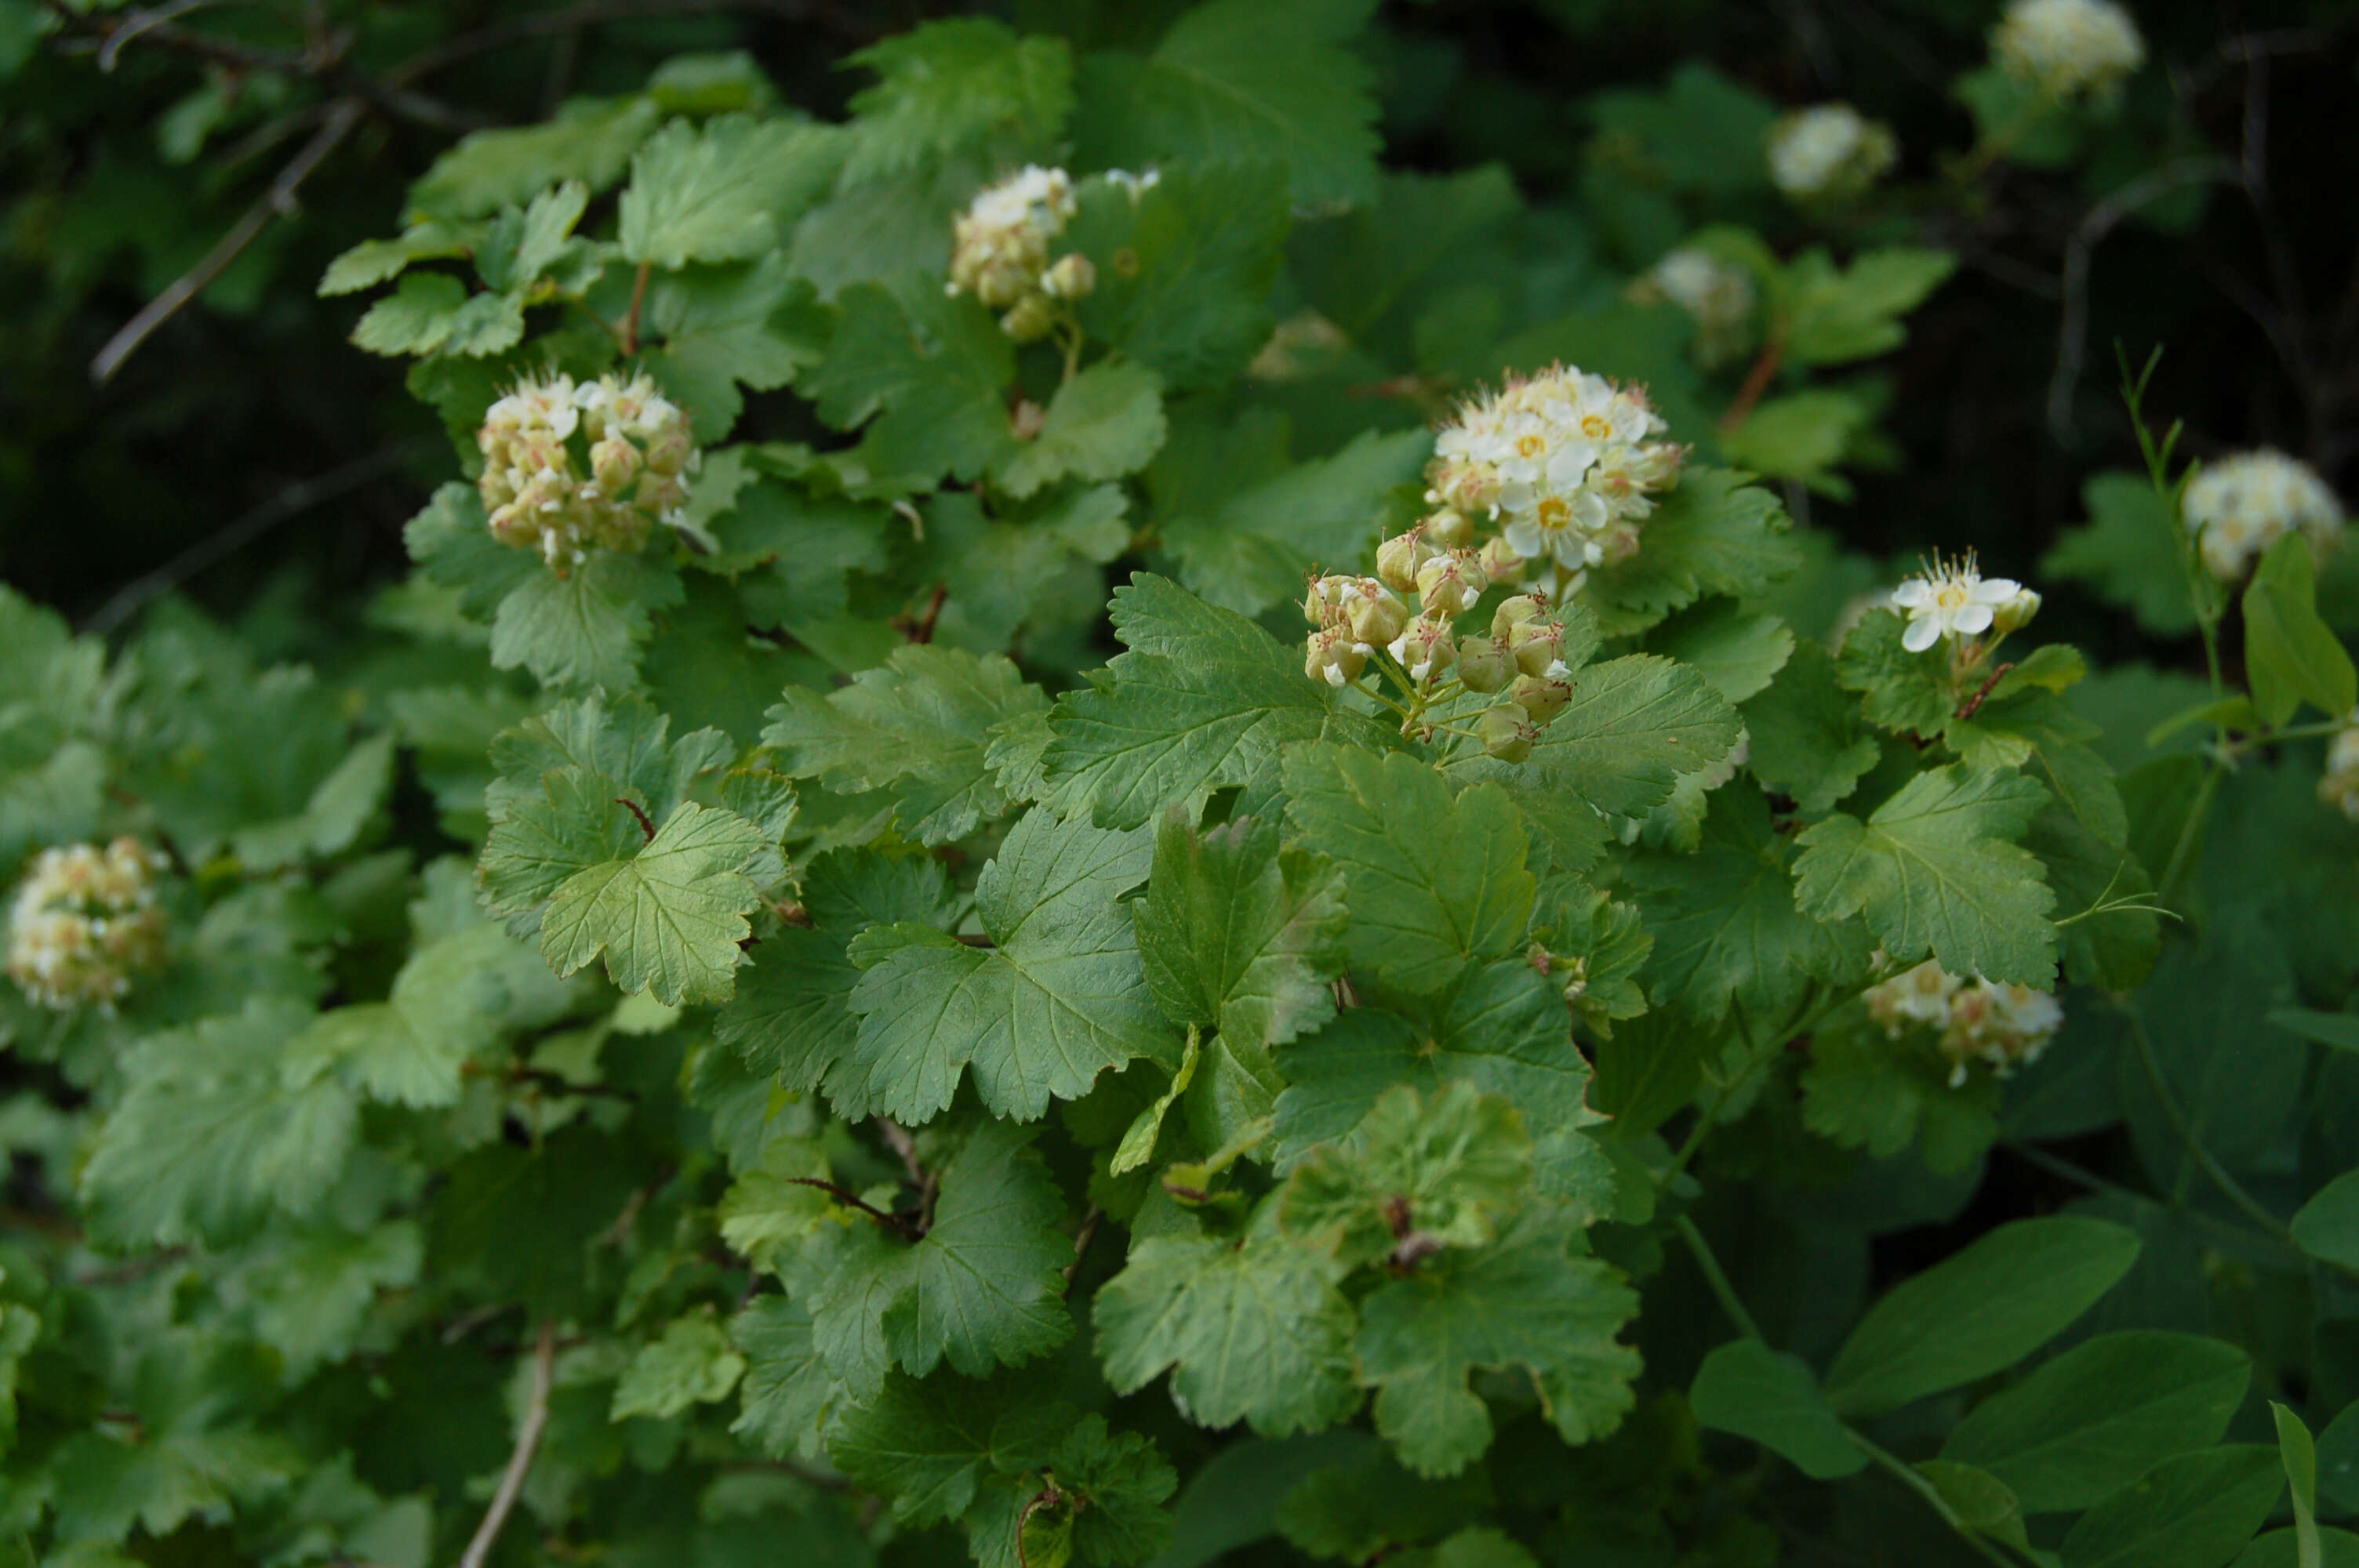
1505,734
1541,698
1450,530
1449,585
1398,557
1516,611
1325,601
1332,657
1500,562
1376,618
2017,612
1073,276
1483,665
1031,320
1538,646
1427,648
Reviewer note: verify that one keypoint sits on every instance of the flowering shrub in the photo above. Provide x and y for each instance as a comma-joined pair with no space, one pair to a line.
827,972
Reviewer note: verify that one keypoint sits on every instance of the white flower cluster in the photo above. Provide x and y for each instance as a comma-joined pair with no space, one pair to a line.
999,251
84,921
1953,599
2068,47
1565,461
2339,787
571,466
1829,150
2239,506
2005,1026
1717,294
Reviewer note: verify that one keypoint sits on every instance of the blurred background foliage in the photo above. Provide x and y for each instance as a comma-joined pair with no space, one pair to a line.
242,451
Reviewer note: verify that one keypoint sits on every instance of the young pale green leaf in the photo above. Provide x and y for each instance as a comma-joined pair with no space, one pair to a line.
1251,1330
2300,1454
1056,999
1432,882
1977,1313
1802,437
373,261
2197,1508
1239,78
718,328
1936,869
1752,1391
431,312
787,1392
1523,1301
668,918
1806,737
1203,699
920,726
692,1363
1598,945
1235,936
1423,1172
1725,927
2099,1416
1836,315
1736,651
725,191
773,1204
1104,423
2290,655
947,84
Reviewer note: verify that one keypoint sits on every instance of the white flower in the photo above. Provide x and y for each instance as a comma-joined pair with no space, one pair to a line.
2241,506
2339,786
1950,599
84,921
636,453
1717,295
2069,47
1830,149
1563,461
999,250
2005,1026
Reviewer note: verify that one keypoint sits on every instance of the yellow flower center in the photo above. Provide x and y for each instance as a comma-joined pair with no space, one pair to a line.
1554,514
1529,445
1595,427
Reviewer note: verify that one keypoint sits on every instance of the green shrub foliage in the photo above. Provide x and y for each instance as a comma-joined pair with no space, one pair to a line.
1095,832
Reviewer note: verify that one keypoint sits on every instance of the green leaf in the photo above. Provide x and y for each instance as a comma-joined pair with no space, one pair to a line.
1865,1090
590,140
583,629
1421,1172
2237,1080
1834,316
1634,727
1977,1313
1715,533
668,918
2194,1511
2097,1417
772,1206
433,312
946,84
2299,1455
1057,998
1432,882
1752,1391
312,1293
1800,437
930,370
1736,652
692,1363
2327,1227
1240,79
1903,690
928,1447
787,1392
720,328
1254,1330
1934,869
1523,1301
1104,423
2131,553
1185,267
373,261
211,1138
725,191
2290,655
921,726
2335,1031
1725,927
1203,699
1255,548
1235,936
1806,739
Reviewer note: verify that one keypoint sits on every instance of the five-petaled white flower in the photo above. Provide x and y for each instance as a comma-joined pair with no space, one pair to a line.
1950,599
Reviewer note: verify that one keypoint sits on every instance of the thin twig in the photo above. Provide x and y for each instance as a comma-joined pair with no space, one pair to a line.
630,332
1756,382
923,632
646,824
901,1225
284,507
1081,1240
536,1417
278,199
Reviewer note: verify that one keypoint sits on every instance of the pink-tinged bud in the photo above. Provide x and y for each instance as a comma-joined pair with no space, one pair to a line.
1483,665
1505,734
1426,648
1326,600
615,463
1500,562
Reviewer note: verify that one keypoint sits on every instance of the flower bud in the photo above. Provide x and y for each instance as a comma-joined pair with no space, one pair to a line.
1505,734
1500,562
1541,698
1514,612
1325,601
1483,665
614,463
1427,646
1538,646
2017,612
1398,557
1450,530
1073,276
1376,617
1332,657
1449,585
1031,320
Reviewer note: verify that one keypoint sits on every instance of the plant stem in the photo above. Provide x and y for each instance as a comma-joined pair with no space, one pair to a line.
1717,1278
1908,1476
528,1444
2197,810
2230,1188
638,297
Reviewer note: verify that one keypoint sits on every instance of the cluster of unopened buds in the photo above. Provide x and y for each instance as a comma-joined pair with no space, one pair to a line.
1564,461
2069,48
1830,152
1952,600
999,251
1357,622
2339,787
85,921
2003,1026
2236,508
569,467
